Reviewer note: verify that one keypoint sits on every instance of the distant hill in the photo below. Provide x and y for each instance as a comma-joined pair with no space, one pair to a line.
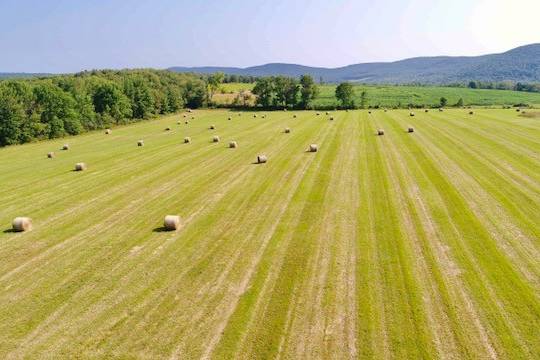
520,64
20,75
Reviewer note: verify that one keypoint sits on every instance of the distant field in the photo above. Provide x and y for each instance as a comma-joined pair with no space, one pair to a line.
235,87
391,96
405,246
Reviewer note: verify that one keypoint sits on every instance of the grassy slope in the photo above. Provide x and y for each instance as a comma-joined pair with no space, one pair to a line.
390,96
406,245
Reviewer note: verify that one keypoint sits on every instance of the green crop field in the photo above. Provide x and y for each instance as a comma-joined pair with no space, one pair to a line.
405,246
402,96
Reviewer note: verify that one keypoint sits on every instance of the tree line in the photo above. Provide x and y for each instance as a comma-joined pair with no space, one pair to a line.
55,106
500,85
51,107
285,92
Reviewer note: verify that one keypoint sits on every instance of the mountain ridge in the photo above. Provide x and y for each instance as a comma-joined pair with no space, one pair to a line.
521,64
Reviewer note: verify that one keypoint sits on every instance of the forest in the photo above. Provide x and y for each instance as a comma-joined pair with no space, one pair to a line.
52,107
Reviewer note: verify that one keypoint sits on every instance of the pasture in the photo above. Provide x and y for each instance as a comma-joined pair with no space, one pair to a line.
404,245
402,95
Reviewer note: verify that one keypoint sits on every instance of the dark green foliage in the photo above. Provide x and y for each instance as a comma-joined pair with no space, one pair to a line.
283,92
55,106
345,95
194,93
308,92
12,115
264,89
286,91
443,101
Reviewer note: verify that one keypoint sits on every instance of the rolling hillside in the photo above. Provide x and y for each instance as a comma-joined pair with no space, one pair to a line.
520,64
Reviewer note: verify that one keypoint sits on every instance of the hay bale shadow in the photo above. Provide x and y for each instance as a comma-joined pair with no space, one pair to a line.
10,230
160,229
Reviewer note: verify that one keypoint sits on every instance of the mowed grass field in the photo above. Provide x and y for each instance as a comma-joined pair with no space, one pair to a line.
394,96
406,246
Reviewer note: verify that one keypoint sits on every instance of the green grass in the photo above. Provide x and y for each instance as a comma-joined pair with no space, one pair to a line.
402,96
235,87
422,245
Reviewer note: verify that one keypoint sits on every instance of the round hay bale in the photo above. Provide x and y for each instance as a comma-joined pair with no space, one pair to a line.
380,132
140,143
229,118
261,159
193,118
108,131
254,115
263,116
179,122
215,139
318,114
426,110
186,122
80,166
50,155
233,144
294,116
189,110
369,112
187,140
327,113
385,110
65,147
313,148
331,118
411,114
287,130
441,110
185,115
22,223
518,110
471,112
284,109
212,127
171,222
167,129
410,129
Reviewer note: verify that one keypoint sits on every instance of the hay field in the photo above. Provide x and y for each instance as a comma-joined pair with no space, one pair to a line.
402,95
406,245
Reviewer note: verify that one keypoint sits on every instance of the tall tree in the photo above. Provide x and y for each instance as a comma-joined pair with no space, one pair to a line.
264,90
194,94
363,99
308,92
345,95
285,91
11,118
214,81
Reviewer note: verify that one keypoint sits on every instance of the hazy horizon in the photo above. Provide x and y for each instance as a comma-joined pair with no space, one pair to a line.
70,36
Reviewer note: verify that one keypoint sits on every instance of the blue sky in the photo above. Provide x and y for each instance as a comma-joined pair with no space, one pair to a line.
68,36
